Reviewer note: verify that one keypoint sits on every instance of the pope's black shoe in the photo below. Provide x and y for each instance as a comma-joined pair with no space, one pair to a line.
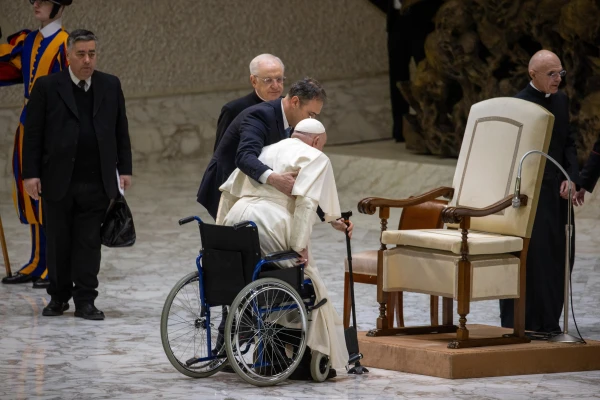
55,308
17,278
88,311
41,283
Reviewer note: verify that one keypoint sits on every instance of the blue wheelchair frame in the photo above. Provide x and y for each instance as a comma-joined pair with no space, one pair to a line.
269,258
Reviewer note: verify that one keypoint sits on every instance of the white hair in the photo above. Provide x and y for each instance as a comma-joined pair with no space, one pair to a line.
256,61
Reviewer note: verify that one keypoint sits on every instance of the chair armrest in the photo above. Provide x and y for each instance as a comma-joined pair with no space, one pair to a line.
370,204
281,255
455,215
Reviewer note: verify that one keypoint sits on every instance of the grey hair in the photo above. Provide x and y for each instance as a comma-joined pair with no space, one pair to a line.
256,61
80,35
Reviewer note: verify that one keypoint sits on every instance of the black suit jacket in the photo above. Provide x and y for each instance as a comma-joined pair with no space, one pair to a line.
52,131
591,171
232,110
254,128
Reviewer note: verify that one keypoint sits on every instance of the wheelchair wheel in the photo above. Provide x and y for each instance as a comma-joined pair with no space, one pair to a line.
184,330
319,366
265,332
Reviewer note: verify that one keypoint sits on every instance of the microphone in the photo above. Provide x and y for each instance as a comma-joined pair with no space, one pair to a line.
516,201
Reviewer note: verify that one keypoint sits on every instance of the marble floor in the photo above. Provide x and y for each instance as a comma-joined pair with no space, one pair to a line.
122,357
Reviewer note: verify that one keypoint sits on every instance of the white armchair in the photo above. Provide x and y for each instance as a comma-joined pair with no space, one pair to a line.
481,254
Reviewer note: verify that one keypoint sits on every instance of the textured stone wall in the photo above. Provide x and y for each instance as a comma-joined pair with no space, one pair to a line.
481,48
164,47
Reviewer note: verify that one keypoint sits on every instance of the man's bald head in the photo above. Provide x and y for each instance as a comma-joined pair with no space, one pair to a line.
544,70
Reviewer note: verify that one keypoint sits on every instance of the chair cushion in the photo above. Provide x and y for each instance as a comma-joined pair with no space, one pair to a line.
450,240
412,269
364,263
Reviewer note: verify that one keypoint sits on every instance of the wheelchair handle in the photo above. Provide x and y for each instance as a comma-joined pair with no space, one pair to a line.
243,224
185,220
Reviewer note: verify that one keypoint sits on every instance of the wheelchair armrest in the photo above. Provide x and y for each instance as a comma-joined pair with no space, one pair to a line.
281,255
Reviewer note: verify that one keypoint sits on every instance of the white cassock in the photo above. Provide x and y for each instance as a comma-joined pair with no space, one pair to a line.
286,222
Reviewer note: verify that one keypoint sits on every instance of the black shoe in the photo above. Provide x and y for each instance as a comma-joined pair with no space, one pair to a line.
17,278
55,308
331,374
89,311
41,284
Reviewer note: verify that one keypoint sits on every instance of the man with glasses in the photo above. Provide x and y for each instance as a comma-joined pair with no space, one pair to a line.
28,56
546,255
76,134
266,77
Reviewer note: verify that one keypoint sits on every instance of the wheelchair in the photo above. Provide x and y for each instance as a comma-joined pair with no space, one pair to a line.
241,310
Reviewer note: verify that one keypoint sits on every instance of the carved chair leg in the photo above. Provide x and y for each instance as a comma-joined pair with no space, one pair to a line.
434,303
382,297
347,300
400,309
464,297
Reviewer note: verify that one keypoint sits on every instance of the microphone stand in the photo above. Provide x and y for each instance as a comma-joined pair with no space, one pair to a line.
564,337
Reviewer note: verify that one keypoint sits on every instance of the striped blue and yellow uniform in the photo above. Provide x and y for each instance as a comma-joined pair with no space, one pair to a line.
27,56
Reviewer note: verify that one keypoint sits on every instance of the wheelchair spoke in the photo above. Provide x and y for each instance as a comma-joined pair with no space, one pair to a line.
266,351
185,330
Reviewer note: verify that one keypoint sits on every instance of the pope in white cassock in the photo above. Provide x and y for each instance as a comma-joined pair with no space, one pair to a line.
285,222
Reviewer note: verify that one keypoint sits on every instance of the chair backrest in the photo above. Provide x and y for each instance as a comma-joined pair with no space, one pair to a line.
427,215
228,259
498,133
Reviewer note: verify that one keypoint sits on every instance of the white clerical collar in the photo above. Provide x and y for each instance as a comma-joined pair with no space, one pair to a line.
285,121
51,28
88,81
259,96
533,86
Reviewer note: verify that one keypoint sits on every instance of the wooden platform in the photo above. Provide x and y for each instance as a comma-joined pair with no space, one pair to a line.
428,355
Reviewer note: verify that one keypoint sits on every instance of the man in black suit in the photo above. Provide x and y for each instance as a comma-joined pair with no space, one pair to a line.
254,128
408,24
266,77
76,136
589,175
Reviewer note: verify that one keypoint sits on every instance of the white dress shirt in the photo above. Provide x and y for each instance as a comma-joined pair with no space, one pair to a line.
76,80
265,175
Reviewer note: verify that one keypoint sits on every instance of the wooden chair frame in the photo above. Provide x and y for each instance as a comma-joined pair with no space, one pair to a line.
458,215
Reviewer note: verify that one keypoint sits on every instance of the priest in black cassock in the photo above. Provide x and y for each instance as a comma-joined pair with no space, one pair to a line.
546,256
266,77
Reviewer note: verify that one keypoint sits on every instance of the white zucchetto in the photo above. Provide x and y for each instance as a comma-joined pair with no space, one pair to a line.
310,125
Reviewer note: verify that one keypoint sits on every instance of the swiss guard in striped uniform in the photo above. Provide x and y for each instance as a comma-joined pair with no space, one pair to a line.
28,56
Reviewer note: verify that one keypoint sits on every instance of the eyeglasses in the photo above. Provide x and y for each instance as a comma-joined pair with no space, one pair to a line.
555,75
268,80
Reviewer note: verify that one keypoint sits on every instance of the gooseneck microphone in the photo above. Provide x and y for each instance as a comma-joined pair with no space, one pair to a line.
564,337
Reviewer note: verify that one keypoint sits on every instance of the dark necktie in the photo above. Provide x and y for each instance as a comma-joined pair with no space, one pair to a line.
81,84
289,131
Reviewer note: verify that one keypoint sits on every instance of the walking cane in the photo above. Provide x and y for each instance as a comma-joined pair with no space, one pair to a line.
4,250
350,333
